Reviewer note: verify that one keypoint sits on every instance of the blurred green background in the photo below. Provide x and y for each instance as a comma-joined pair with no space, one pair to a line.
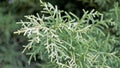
12,11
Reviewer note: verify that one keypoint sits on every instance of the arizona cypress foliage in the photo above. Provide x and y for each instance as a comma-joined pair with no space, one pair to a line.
67,41
80,33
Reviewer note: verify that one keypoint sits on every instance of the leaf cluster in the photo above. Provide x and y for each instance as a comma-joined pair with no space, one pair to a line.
68,41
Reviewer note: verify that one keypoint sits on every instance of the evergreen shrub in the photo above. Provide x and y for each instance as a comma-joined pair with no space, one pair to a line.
62,40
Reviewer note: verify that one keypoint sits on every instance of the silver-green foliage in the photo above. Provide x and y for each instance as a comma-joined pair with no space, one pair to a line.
115,31
68,41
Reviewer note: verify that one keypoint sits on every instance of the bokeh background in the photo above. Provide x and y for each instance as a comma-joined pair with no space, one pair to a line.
12,11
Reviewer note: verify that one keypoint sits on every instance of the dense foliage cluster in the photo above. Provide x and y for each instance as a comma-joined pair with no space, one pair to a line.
68,41
82,34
